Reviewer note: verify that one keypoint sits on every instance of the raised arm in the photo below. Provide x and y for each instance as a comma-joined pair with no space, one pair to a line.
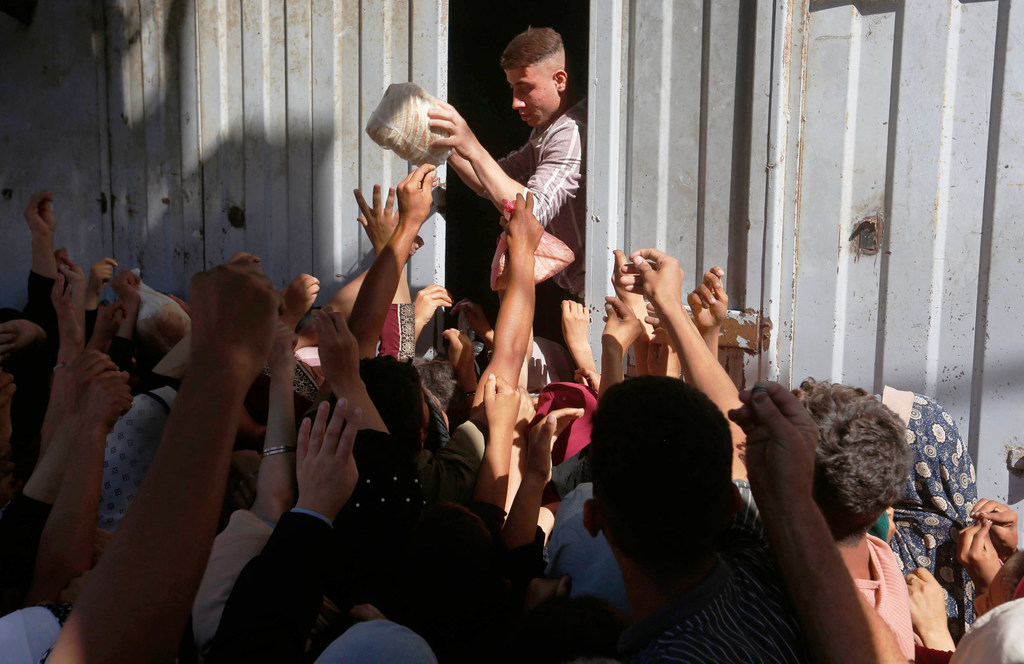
477,168
709,304
66,545
659,277
378,288
782,439
42,223
276,599
620,331
137,601
339,357
521,526
126,285
100,274
501,403
275,483
515,317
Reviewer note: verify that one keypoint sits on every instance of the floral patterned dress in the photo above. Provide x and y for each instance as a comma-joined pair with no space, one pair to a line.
937,501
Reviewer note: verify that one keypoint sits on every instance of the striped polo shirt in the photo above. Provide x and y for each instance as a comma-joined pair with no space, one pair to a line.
551,165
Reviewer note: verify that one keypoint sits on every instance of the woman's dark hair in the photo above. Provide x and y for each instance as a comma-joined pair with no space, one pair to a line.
394,388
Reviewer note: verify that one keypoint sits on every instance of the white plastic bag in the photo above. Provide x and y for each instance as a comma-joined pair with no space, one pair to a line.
400,123
162,322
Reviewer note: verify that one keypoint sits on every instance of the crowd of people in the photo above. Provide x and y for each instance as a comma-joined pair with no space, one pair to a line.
240,476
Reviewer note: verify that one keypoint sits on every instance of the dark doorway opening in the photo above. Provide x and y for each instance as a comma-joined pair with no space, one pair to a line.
477,34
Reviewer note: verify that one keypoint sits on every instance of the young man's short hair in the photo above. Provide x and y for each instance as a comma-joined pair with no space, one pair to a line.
862,459
530,47
661,457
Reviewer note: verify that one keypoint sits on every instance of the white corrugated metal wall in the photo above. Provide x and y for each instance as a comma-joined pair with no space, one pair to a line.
221,127
903,111
52,100
911,111
678,137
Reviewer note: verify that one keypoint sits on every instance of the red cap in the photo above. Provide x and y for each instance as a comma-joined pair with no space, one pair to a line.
577,435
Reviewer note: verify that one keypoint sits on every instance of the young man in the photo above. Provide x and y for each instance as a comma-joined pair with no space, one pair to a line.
550,165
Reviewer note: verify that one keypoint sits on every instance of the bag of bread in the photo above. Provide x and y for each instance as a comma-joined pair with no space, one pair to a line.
400,123
551,257
161,323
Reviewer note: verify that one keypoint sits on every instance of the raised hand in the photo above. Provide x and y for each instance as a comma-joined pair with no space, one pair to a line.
977,553
460,138
101,272
106,393
299,296
588,377
379,221
1003,532
523,229
339,350
501,403
709,305
74,274
427,301
126,286
477,320
235,310
543,436
576,330
324,468
17,335
781,443
460,356
662,358
108,321
69,325
635,301
621,325
39,215
655,274
415,196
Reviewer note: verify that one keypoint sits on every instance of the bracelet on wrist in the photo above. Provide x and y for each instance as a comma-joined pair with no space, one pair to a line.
280,449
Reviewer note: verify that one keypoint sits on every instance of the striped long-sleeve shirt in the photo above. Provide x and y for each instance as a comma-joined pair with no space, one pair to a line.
551,165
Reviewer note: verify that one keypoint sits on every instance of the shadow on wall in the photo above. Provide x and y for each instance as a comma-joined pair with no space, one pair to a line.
221,140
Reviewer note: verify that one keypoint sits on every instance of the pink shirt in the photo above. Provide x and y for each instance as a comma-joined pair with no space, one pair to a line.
886,590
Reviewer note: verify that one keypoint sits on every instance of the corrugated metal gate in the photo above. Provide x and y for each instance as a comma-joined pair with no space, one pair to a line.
220,126
889,181
197,129
910,122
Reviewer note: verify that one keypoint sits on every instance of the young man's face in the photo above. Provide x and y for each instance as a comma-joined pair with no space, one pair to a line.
537,91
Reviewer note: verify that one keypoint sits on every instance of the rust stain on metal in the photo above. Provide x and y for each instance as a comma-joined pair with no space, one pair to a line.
866,238
236,217
740,330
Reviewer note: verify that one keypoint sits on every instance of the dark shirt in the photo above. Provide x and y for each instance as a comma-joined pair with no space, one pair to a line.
738,613
21,528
